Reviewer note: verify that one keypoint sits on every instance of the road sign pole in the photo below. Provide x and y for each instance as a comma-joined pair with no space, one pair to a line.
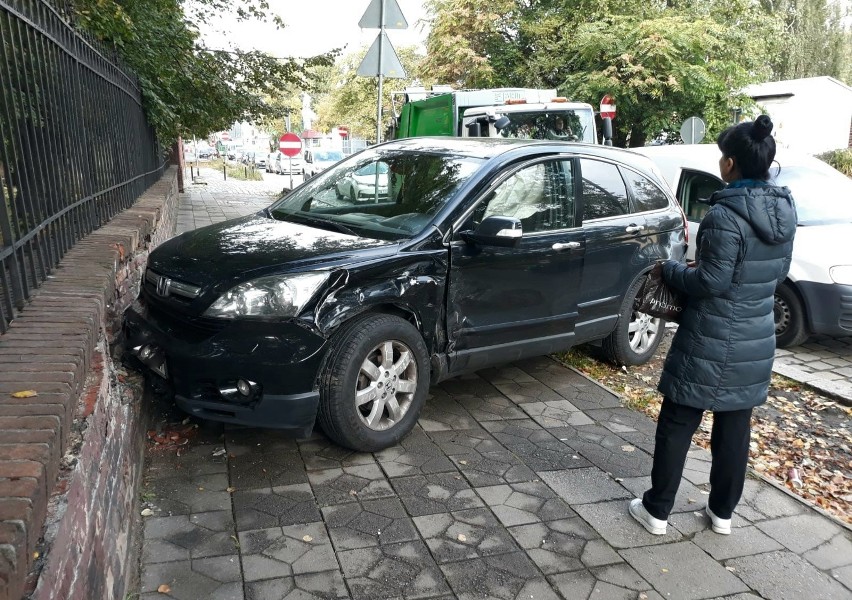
290,164
379,102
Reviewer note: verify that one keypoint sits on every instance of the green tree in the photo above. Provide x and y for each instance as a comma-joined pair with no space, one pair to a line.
350,99
662,62
188,89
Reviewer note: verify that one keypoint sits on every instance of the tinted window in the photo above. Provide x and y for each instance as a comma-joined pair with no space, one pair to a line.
604,194
646,194
541,196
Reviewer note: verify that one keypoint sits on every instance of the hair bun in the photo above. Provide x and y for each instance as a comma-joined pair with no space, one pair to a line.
761,128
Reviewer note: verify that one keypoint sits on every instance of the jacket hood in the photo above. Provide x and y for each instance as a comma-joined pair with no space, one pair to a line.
770,210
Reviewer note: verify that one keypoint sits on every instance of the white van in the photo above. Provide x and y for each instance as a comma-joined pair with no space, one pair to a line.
817,295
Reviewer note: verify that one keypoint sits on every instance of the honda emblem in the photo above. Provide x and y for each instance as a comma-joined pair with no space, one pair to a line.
163,285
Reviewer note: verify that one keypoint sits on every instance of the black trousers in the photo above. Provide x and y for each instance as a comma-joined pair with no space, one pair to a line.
728,443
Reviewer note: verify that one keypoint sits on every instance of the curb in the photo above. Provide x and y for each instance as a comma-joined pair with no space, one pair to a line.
836,390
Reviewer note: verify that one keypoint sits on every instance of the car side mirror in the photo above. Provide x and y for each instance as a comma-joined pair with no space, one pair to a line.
502,122
496,231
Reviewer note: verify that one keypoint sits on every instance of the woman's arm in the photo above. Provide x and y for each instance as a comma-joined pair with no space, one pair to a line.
712,276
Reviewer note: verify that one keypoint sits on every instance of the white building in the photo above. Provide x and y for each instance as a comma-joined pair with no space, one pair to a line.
811,115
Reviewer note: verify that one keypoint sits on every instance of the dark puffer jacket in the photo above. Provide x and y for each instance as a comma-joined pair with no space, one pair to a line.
721,356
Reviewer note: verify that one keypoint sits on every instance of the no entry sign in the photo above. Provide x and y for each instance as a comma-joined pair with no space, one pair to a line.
607,107
290,144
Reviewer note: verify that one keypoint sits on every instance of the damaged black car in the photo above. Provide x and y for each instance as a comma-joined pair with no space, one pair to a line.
452,255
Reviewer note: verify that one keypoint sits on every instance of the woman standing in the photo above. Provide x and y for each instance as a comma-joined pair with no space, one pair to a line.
721,356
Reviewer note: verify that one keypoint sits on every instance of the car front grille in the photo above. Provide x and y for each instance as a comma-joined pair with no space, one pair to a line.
164,286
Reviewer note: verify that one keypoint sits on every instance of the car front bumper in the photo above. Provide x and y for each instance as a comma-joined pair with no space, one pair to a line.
278,364
829,307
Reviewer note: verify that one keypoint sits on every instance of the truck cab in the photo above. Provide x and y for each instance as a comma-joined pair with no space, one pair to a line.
524,113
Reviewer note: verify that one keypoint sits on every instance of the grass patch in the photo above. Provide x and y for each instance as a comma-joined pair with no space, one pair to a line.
236,170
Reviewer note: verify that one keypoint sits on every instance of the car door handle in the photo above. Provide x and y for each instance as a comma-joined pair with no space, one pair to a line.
567,246
634,228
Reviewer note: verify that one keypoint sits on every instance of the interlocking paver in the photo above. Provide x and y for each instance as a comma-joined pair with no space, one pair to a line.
436,493
416,454
785,575
348,484
535,446
581,486
615,582
464,441
464,534
837,552
748,540
275,507
291,550
493,468
522,503
606,450
393,571
441,413
309,586
370,523
320,453
215,578
186,493
507,577
801,532
557,546
683,571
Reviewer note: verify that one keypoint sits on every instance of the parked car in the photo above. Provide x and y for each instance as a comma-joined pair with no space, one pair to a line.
816,297
317,161
483,252
285,165
370,181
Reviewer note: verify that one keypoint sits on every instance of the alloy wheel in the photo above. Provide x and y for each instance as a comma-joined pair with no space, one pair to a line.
386,385
643,331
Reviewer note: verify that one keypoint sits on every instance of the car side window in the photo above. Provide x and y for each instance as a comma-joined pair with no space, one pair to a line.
646,194
541,196
604,193
694,188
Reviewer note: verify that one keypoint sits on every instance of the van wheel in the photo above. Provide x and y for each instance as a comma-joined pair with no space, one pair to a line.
790,329
374,384
636,335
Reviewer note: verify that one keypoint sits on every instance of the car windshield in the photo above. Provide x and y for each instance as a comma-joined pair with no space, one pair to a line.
823,196
408,188
328,156
566,125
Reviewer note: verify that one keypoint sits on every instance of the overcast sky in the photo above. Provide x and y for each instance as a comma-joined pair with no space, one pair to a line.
314,27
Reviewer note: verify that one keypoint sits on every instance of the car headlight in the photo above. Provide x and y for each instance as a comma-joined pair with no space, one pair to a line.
275,296
841,274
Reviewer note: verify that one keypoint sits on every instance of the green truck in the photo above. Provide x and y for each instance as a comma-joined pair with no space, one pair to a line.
501,112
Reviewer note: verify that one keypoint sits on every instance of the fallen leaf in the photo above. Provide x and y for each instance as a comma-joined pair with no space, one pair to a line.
664,570
628,448
462,462
353,493
147,512
462,537
24,394
220,452
231,490
731,569
307,538
164,589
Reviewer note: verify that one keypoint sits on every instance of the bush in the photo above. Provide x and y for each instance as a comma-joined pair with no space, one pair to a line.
839,159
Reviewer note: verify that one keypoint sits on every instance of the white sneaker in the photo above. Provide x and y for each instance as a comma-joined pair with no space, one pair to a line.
638,512
720,526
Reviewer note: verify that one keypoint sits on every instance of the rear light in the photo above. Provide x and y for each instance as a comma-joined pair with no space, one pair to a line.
559,99
515,101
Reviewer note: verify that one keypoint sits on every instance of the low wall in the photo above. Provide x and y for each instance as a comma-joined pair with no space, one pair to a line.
71,445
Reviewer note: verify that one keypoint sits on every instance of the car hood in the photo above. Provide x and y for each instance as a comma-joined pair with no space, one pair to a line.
233,251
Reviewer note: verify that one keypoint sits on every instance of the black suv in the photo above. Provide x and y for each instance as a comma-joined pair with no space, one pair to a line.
456,254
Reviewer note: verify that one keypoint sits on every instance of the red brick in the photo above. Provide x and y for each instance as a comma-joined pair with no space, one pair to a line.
14,538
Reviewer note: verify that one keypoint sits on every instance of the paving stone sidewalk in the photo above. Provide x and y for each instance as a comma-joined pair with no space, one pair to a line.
513,485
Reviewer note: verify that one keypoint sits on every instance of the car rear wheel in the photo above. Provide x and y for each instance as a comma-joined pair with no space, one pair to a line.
790,329
375,383
636,335
353,194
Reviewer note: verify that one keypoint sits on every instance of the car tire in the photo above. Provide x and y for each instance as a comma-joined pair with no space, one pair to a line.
353,195
357,366
636,335
790,322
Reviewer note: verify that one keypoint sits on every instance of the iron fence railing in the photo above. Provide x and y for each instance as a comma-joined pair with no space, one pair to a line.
76,146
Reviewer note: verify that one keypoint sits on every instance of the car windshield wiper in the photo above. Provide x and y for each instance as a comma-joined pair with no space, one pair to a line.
322,223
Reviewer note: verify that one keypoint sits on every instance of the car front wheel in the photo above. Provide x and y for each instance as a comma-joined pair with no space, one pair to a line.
636,335
790,329
374,384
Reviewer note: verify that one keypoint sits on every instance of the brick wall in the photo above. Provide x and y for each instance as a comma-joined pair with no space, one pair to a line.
70,456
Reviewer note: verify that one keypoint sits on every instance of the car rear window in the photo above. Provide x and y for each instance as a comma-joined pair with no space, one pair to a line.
604,193
646,194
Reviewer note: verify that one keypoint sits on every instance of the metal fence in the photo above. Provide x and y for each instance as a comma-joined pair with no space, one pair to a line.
76,146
